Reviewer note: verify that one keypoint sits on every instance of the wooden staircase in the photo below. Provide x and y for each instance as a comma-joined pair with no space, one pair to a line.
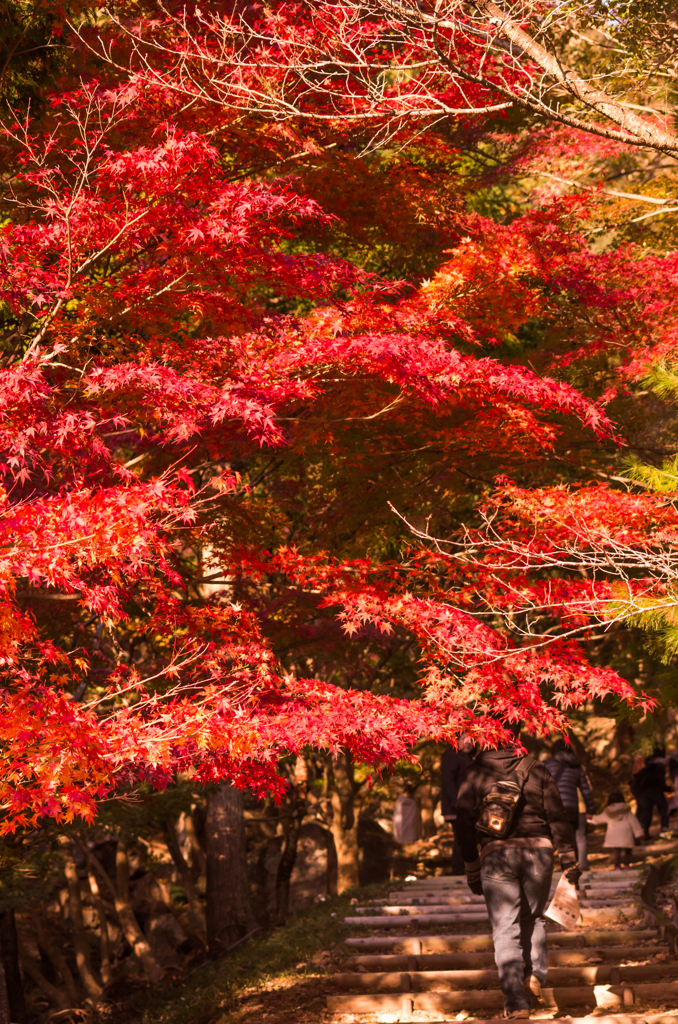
426,954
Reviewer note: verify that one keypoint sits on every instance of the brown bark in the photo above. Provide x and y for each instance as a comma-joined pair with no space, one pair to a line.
83,957
128,921
9,958
57,959
198,854
104,937
54,994
165,890
427,805
123,908
197,913
229,910
94,863
593,97
5,1015
344,793
297,800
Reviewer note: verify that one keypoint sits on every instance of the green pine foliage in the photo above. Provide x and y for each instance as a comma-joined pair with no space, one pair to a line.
660,623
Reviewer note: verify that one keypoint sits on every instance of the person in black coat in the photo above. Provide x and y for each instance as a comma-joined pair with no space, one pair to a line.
453,767
649,788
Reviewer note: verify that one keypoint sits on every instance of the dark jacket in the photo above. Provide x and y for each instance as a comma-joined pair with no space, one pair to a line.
651,778
452,770
540,813
569,777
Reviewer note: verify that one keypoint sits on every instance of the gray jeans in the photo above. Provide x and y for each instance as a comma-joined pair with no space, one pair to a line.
582,842
516,882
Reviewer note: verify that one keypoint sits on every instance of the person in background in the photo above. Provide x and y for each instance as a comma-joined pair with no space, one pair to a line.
453,766
623,828
572,782
514,873
649,788
672,763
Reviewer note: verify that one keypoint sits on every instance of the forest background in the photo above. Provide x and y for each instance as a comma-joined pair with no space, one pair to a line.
337,418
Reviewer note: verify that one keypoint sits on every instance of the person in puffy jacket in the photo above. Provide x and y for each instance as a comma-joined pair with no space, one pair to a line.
623,828
571,780
514,873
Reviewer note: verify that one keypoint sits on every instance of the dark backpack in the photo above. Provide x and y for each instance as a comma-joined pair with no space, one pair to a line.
498,807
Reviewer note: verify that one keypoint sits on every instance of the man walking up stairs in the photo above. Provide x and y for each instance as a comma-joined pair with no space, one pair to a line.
510,820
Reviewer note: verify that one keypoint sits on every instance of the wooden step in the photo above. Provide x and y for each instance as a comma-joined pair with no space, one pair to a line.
607,876
624,996
445,981
409,911
607,888
459,881
480,959
397,921
662,846
455,894
463,903
617,1018
443,897
466,915
403,910
472,943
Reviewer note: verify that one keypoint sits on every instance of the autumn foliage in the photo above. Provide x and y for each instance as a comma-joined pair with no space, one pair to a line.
180,323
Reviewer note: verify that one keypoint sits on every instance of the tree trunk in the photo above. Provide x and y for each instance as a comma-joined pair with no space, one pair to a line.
56,958
127,918
344,827
5,1015
9,950
105,939
94,865
199,861
298,808
83,957
427,805
197,913
123,908
54,994
229,911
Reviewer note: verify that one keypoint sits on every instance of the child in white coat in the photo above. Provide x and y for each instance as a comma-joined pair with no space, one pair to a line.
623,828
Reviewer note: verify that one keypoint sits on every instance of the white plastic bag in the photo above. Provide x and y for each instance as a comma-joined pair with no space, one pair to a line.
564,907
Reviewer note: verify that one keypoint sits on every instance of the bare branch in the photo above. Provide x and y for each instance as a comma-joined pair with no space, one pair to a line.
393,62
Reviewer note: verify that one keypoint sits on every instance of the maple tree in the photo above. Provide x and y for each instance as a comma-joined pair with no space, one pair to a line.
386,63
303,390
171,314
